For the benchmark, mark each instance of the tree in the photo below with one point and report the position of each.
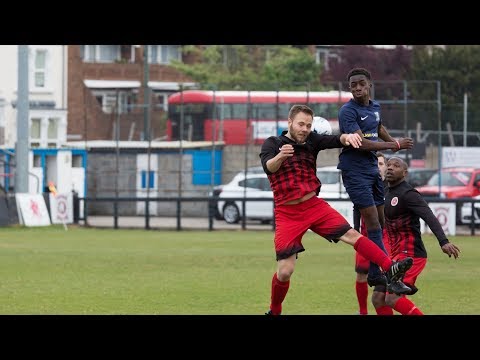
(456, 68)
(252, 67)
(383, 64)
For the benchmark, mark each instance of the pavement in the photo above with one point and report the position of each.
(200, 223)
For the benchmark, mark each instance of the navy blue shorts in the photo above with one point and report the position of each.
(365, 190)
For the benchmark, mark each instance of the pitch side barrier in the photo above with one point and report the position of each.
(212, 203)
(458, 202)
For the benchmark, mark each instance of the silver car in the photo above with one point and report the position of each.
(256, 185)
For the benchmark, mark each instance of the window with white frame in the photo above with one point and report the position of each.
(39, 65)
(108, 100)
(100, 53)
(52, 130)
(162, 100)
(47, 129)
(164, 54)
(324, 57)
(35, 131)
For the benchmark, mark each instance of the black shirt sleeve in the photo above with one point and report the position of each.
(417, 204)
(321, 142)
(270, 148)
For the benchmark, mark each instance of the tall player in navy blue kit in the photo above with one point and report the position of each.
(360, 173)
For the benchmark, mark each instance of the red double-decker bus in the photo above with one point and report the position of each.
(243, 117)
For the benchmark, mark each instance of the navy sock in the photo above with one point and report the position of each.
(377, 237)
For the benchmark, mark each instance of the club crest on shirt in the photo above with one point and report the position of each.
(377, 116)
(394, 201)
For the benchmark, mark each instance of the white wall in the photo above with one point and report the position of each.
(55, 89)
(142, 164)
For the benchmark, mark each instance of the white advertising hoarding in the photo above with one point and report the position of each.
(32, 210)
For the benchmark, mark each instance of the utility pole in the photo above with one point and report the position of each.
(21, 146)
(146, 95)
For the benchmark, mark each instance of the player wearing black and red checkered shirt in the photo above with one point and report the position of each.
(404, 207)
(289, 160)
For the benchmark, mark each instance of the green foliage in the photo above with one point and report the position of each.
(106, 271)
(455, 66)
(252, 67)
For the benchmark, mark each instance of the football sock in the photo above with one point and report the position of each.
(372, 252)
(377, 237)
(405, 307)
(384, 310)
(279, 291)
(361, 289)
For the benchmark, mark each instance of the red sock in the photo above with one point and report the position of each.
(361, 289)
(405, 307)
(279, 291)
(384, 310)
(369, 250)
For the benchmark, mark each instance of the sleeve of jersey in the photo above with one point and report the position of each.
(347, 120)
(326, 141)
(418, 205)
(269, 150)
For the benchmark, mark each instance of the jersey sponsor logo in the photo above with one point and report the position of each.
(394, 201)
(369, 135)
(363, 117)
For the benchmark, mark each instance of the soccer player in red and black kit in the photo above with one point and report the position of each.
(290, 161)
(404, 206)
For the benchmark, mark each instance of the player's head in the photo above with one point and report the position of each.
(321, 126)
(300, 119)
(359, 71)
(397, 170)
(382, 164)
(359, 82)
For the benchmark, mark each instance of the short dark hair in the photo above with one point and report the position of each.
(380, 154)
(295, 109)
(402, 162)
(359, 71)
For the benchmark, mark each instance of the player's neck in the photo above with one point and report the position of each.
(395, 183)
(363, 101)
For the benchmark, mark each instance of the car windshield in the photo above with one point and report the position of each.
(452, 178)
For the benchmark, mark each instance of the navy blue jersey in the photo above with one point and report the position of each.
(297, 176)
(352, 117)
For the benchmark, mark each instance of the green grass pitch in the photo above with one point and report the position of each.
(47, 270)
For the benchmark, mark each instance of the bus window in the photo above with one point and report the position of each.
(266, 110)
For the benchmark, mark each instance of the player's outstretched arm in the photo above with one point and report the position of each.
(451, 249)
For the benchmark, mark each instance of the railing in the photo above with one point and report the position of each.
(212, 203)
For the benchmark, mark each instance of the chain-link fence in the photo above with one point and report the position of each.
(190, 143)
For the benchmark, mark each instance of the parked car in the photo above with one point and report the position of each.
(467, 212)
(218, 189)
(420, 176)
(249, 186)
(332, 183)
(257, 185)
(456, 182)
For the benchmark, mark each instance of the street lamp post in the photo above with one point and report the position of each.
(21, 146)
(146, 95)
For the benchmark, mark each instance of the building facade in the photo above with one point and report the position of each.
(120, 91)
